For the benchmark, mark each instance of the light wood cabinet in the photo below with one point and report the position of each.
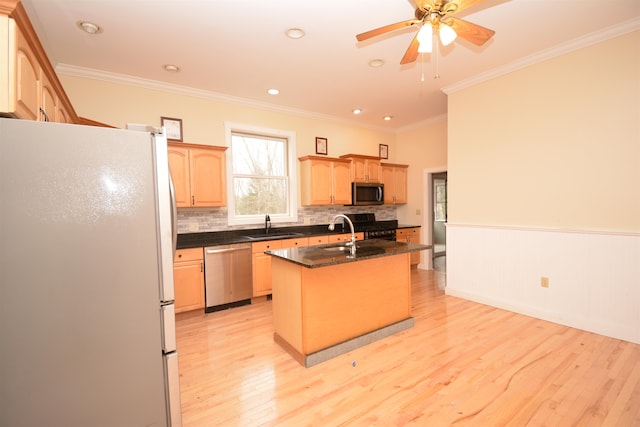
(261, 264)
(364, 168)
(410, 235)
(188, 279)
(394, 178)
(199, 174)
(33, 91)
(325, 181)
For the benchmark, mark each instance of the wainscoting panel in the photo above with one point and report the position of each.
(594, 278)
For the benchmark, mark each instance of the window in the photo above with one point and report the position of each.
(261, 175)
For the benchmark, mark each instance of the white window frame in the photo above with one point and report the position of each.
(292, 169)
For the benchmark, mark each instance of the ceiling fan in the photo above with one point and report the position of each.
(435, 16)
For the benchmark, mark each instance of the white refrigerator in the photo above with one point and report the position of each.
(87, 325)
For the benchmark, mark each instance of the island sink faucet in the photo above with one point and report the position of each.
(352, 243)
(267, 223)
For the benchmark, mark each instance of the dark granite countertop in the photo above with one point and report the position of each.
(214, 238)
(336, 253)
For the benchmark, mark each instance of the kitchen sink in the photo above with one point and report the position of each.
(273, 236)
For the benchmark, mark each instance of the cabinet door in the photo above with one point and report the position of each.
(179, 167)
(341, 174)
(48, 101)
(373, 171)
(27, 80)
(188, 278)
(321, 183)
(261, 264)
(359, 170)
(388, 179)
(400, 184)
(207, 177)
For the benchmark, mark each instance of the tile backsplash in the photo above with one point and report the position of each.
(215, 219)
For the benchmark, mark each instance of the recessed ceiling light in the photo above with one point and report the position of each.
(357, 111)
(171, 68)
(89, 27)
(387, 118)
(273, 91)
(295, 33)
(376, 63)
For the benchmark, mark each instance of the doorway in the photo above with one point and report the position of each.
(433, 226)
(439, 234)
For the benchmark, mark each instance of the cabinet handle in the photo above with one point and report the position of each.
(46, 118)
(193, 200)
(201, 268)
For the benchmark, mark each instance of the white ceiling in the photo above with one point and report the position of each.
(237, 49)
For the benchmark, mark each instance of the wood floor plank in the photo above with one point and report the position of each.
(462, 363)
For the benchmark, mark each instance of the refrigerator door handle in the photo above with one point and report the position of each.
(174, 214)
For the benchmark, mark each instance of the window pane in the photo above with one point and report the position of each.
(260, 196)
(253, 155)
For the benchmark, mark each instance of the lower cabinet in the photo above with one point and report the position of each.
(410, 235)
(188, 279)
(261, 262)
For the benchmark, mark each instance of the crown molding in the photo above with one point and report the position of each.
(90, 73)
(561, 49)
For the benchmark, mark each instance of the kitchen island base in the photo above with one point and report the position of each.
(322, 312)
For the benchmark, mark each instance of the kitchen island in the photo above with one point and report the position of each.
(328, 301)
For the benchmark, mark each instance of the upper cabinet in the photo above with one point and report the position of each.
(325, 181)
(364, 168)
(33, 91)
(394, 178)
(199, 174)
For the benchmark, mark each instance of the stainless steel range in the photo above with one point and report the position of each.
(366, 222)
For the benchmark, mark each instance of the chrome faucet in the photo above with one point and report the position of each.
(352, 243)
(267, 223)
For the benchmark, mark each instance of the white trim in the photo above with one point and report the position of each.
(561, 49)
(548, 229)
(290, 135)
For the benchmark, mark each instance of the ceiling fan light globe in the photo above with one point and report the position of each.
(425, 38)
(447, 34)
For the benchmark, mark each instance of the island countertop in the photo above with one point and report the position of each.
(338, 253)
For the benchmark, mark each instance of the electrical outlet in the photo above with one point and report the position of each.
(193, 226)
(418, 212)
(544, 282)
(307, 220)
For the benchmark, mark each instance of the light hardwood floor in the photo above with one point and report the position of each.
(462, 364)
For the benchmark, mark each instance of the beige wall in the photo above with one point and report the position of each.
(423, 147)
(554, 145)
(204, 116)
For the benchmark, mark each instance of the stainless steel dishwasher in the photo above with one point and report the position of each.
(227, 275)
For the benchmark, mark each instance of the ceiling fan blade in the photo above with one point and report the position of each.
(385, 29)
(472, 32)
(412, 52)
(455, 6)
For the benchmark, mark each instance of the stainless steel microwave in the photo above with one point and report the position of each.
(367, 193)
